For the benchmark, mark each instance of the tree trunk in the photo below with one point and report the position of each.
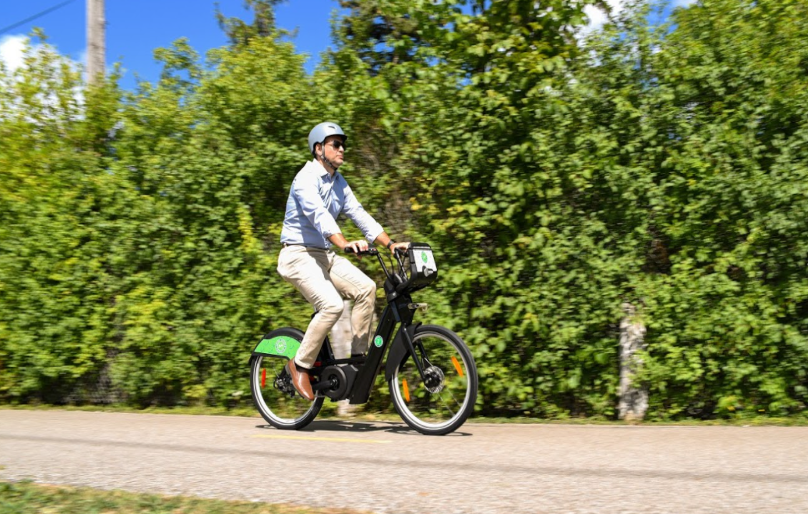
(633, 400)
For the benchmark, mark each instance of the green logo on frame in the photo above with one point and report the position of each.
(424, 257)
(378, 341)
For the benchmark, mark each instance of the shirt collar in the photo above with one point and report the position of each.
(320, 170)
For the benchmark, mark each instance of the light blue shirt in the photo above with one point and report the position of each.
(315, 201)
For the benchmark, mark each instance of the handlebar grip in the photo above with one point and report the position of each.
(369, 251)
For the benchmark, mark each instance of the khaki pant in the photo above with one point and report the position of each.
(324, 278)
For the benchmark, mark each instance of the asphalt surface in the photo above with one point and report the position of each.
(386, 468)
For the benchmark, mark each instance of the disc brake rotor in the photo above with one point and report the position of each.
(433, 379)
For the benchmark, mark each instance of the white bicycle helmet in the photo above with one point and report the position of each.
(322, 131)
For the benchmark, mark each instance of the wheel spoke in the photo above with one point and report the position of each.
(454, 399)
(440, 397)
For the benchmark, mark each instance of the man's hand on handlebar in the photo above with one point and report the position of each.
(356, 247)
(361, 246)
(399, 247)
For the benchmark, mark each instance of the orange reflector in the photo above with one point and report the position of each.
(263, 377)
(406, 390)
(457, 366)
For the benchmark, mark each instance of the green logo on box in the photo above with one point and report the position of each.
(378, 341)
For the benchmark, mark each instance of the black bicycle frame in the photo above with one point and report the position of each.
(394, 313)
(399, 311)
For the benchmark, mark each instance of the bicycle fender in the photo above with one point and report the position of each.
(279, 343)
(398, 352)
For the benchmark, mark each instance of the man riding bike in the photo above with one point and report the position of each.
(319, 193)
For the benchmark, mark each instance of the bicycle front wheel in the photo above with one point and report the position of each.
(442, 401)
(275, 396)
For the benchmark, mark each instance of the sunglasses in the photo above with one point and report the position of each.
(337, 144)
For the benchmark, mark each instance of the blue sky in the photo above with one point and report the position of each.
(136, 28)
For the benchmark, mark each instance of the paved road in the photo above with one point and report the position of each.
(385, 468)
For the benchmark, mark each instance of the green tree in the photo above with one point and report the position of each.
(728, 317)
(558, 176)
(57, 206)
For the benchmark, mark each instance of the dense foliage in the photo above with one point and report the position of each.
(559, 176)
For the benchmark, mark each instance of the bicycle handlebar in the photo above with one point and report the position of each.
(372, 251)
(400, 279)
(369, 251)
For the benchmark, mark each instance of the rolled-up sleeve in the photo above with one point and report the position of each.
(306, 192)
(356, 213)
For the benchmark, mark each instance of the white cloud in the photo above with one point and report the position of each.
(12, 50)
(12, 55)
(597, 17)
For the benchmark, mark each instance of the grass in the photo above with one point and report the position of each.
(737, 422)
(329, 411)
(30, 498)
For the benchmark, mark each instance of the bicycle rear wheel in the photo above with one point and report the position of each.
(441, 403)
(273, 393)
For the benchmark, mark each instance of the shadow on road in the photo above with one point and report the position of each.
(362, 427)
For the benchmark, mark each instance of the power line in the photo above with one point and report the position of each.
(26, 20)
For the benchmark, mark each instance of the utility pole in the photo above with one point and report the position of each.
(96, 39)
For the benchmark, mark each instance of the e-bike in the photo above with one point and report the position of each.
(429, 369)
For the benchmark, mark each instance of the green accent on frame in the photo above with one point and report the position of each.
(424, 257)
(378, 341)
(281, 346)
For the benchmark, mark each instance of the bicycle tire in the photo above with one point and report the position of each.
(283, 410)
(455, 368)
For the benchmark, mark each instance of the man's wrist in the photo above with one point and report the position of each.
(391, 243)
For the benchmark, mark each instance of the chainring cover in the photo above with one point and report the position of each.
(342, 377)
